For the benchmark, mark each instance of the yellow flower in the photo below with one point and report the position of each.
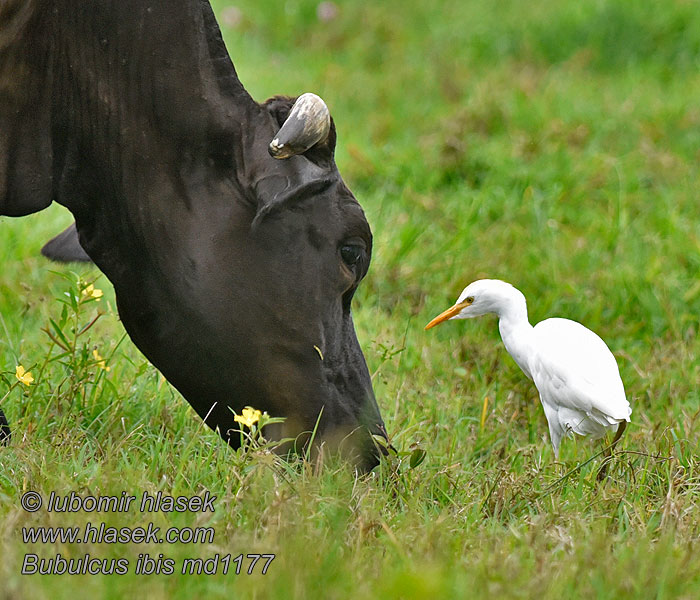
(91, 291)
(24, 376)
(100, 361)
(249, 418)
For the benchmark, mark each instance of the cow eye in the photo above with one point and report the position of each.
(351, 254)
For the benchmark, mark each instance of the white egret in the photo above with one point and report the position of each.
(574, 371)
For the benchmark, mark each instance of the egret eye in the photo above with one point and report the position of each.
(469, 299)
(351, 254)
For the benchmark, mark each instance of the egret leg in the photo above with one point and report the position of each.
(618, 435)
(608, 451)
(4, 430)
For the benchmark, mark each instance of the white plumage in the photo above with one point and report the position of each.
(574, 371)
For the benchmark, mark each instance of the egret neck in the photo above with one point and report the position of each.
(516, 332)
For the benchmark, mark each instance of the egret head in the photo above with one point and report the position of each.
(481, 298)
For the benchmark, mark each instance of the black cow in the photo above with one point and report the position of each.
(233, 244)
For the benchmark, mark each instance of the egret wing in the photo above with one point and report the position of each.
(576, 369)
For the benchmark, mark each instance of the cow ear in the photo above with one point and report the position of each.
(65, 247)
(279, 107)
(25, 144)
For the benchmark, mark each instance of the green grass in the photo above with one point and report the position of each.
(551, 145)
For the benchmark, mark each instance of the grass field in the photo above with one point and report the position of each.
(553, 145)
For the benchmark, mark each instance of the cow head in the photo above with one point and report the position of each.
(233, 244)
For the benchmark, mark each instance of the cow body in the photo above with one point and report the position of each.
(231, 269)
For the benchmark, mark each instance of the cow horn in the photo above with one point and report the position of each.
(308, 124)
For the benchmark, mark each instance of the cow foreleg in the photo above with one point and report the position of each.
(5, 432)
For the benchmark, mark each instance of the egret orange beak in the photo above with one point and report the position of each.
(448, 314)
